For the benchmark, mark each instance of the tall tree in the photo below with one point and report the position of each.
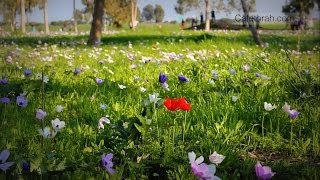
(75, 19)
(45, 16)
(148, 12)
(23, 16)
(158, 13)
(252, 28)
(134, 9)
(97, 23)
(303, 7)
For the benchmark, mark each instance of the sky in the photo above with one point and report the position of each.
(62, 10)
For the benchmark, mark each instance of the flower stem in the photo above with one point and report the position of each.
(43, 102)
(291, 136)
(184, 126)
(262, 128)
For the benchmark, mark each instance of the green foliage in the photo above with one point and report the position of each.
(148, 141)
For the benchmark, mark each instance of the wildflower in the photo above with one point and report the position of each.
(122, 86)
(263, 172)
(103, 106)
(257, 74)
(215, 75)
(183, 79)
(246, 67)
(183, 104)
(5, 100)
(265, 77)
(99, 81)
(153, 98)
(107, 162)
(133, 66)
(3, 80)
(269, 106)
(77, 71)
(59, 108)
(57, 125)
(176, 104)
(234, 98)
(40, 114)
(162, 78)
(4, 166)
(216, 158)
(27, 72)
(46, 132)
(286, 108)
(142, 89)
(45, 79)
(201, 170)
(232, 71)
(103, 120)
(22, 101)
(165, 86)
(293, 113)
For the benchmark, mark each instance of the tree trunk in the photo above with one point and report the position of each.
(133, 13)
(97, 23)
(23, 16)
(253, 30)
(45, 15)
(207, 27)
(75, 17)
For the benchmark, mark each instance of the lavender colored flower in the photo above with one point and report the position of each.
(99, 81)
(5, 100)
(3, 80)
(77, 71)
(162, 78)
(165, 86)
(201, 170)
(263, 172)
(40, 114)
(183, 78)
(246, 67)
(4, 166)
(21, 101)
(293, 113)
(107, 162)
(27, 72)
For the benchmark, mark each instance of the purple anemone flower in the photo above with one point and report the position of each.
(99, 81)
(263, 172)
(22, 101)
(293, 113)
(162, 78)
(77, 71)
(5, 100)
(27, 72)
(3, 80)
(4, 166)
(183, 79)
(107, 162)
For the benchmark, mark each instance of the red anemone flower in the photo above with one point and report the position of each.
(176, 104)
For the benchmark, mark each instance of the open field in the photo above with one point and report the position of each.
(230, 79)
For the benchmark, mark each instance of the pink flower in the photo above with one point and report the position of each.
(201, 170)
(263, 172)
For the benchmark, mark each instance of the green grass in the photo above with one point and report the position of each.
(215, 122)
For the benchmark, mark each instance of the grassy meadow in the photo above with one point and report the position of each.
(230, 81)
